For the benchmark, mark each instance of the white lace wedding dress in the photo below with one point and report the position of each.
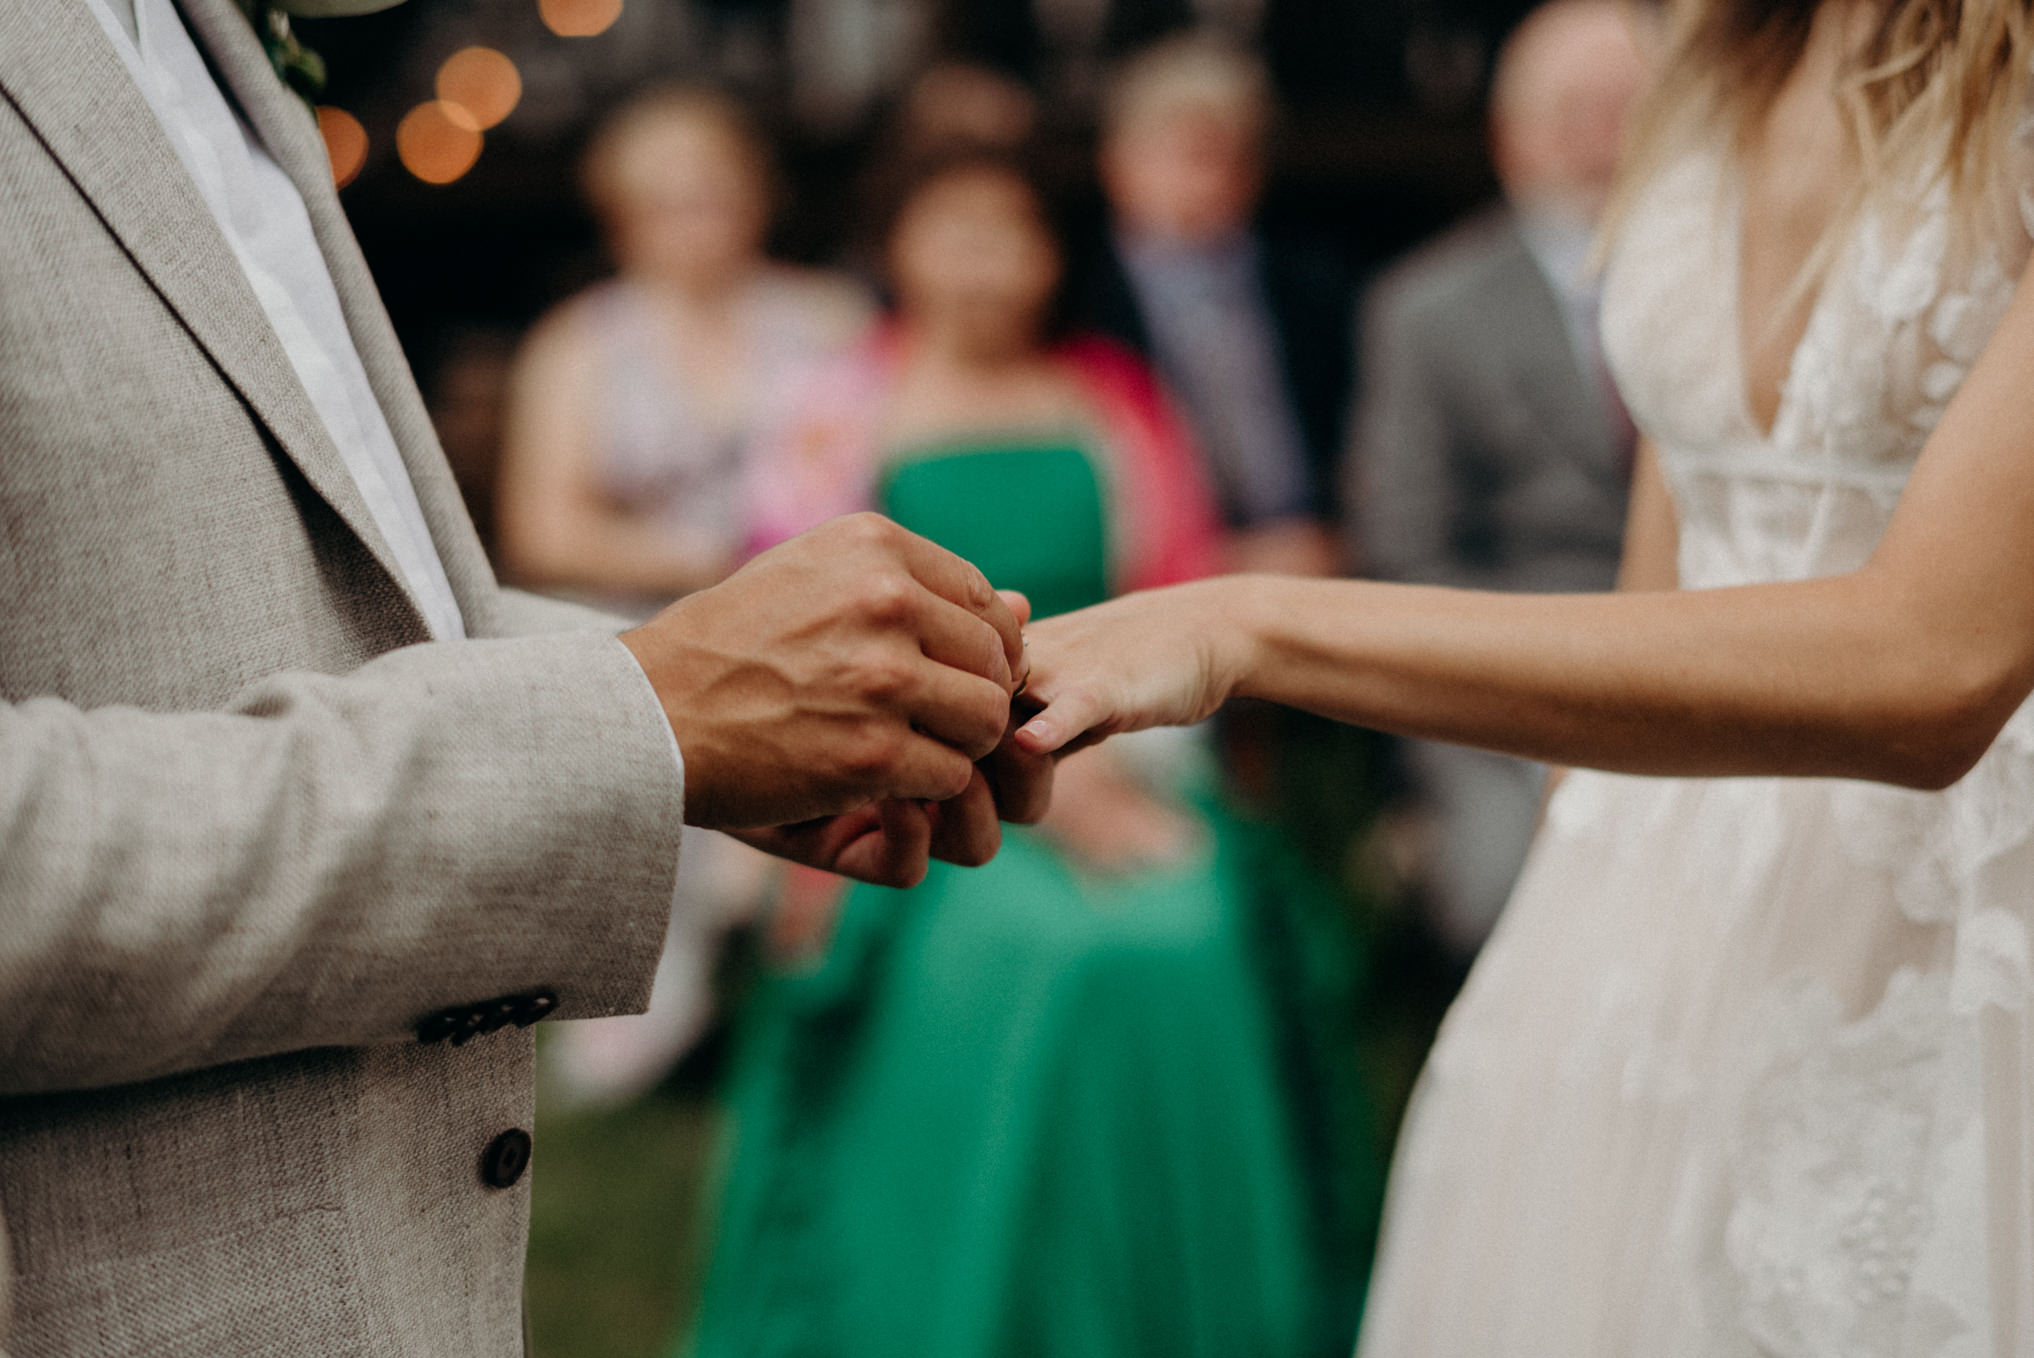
(1748, 1067)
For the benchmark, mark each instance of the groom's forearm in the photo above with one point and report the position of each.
(331, 860)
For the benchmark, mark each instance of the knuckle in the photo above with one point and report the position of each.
(953, 777)
(870, 528)
(873, 753)
(995, 659)
(980, 592)
(992, 719)
(881, 680)
(886, 598)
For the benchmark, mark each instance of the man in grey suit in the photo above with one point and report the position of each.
(1490, 449)
(303, 820)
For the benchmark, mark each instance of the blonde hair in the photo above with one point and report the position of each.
(1188, 73)
(1933, 95)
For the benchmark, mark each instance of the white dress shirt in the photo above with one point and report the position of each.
(265, 223)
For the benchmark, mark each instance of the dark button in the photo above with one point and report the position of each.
(498, 1015)
(534, 1007)
(506, 1157)
(439, 1026)
(472, 1023)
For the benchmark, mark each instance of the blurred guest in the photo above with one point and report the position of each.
(1252, 331)
(1490, 450)
(631, 412)
(958, 104)
(845, 55)
(633, 405)
(1036, 1108)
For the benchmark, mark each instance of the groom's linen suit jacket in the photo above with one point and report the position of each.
(252, 833)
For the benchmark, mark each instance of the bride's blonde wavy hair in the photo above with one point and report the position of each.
(1935, 91)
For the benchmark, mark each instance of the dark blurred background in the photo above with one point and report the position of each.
(1380, 142)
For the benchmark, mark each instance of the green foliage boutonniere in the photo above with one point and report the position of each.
(300, 68)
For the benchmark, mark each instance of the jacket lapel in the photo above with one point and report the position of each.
(58, 69)
(290, 134)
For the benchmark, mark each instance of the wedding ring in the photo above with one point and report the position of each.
(1025, 682)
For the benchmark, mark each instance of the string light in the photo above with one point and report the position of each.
(435, 145)
(579, 18)
(479, 87)
(345, 143)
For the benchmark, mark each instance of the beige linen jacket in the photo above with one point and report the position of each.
(252, 833)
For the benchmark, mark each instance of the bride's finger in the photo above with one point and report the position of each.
(1065, 717)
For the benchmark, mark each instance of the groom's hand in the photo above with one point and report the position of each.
(891, 842)
(855, 664)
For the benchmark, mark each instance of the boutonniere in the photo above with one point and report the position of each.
(300, 68)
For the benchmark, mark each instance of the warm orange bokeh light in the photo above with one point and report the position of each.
(579, 18)
(433, 145)
(479, 87)
(345, 142)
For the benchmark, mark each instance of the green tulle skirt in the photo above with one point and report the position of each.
(1024, 1112)
(1019, 1112)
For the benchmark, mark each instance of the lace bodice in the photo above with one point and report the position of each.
(1900, 318)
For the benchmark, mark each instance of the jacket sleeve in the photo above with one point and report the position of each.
(329, 860)
(519, 613)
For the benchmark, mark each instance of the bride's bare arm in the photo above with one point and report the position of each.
(1902, 671)
(1652, 545)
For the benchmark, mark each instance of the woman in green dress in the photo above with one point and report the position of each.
(1054, 1107)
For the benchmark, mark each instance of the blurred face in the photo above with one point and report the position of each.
(1190, 173)
(1559, 134)
(688, 205)
(973, 259)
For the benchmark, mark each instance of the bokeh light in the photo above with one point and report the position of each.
(479, 87)
(579, 18)
(345, 142)
(434, 145)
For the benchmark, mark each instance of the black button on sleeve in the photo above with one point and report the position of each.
(506, 1157)
(439, 1026)
(472, 1023)
(499, 1015)
(535, 1007)
(463, 1023)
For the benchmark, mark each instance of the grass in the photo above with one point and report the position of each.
(616, 1242)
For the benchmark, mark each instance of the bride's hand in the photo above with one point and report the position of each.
(1167, 657)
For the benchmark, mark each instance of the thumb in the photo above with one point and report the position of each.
(1017, 603)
